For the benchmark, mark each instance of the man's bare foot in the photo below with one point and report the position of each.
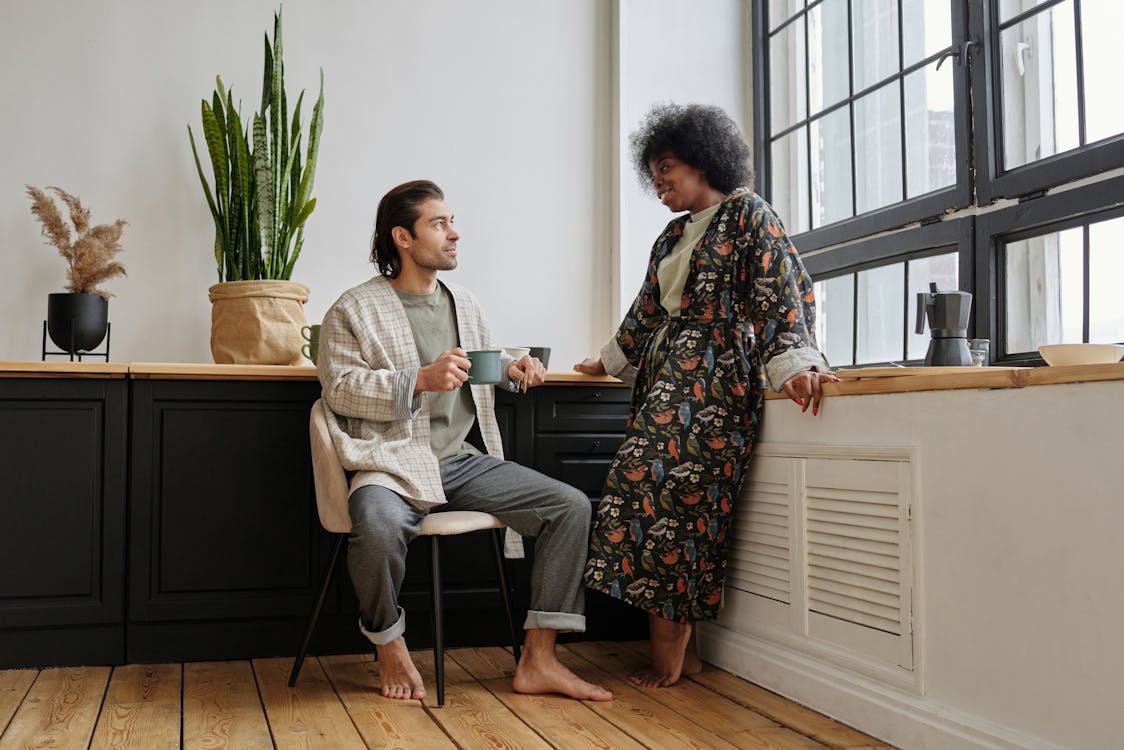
(539, 671)
(669, 642)
(398, 676)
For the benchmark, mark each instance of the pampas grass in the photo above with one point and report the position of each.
(88, 250)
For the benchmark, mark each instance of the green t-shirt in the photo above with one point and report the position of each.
(452, 414)
(672, 271)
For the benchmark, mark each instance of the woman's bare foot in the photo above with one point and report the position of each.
(539, 671)
(692, 663)
(398, 676)
(669, 641)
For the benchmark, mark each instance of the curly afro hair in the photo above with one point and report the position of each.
(701, 135)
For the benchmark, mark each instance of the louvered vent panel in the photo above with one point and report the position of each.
(854, 557)
(759, 560)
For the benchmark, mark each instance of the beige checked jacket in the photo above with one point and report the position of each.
(368, 367)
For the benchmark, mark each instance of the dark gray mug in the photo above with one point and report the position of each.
(541, 353)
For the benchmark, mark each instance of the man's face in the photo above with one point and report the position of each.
(434, 244)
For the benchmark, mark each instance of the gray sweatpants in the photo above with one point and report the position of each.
(534, 505)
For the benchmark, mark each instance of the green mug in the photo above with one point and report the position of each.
(485, 368)
(311, 334)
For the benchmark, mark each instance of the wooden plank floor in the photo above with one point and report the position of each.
(336, 705)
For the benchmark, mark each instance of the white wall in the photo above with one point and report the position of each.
(670, 50)
(520, 110)
(505, 103)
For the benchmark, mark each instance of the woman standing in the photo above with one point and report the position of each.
(726, 308)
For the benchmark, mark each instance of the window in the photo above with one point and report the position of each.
(866, 313)
(861, 115)
(1060, 271)
(1051, 106)
(863, 127)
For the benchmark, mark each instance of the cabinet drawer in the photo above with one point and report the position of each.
(578, 460)
(582, 409)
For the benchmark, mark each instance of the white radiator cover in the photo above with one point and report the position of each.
(1010, 512)
(821, 558)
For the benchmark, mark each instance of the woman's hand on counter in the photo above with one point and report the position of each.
(805, 389)
(590, 366)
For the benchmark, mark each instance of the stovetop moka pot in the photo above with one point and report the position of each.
(947, 314)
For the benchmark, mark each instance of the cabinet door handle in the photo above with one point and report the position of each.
(596, 444)
(596, 394)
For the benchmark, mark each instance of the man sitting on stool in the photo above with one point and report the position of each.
(418, 440)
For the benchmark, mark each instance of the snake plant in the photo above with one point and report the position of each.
(262, 193)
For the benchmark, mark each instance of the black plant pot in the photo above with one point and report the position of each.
(77, 322)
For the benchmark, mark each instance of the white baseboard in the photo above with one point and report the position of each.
(907, 721)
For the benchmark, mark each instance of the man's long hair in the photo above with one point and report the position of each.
(399, 208)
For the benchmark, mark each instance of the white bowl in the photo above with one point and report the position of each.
(517, 352)
(1081, 354)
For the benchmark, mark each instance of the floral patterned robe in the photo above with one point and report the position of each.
(660, 535)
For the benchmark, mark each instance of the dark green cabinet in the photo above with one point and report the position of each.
(224, 540)
(578, 430)
(226, 550)
(154, 520)
(62, 521)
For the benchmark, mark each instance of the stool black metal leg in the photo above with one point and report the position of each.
(438, 622)
(497, 545)
(316, 610)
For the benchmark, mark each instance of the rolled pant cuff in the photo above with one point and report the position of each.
(563, 622)
(383, 637)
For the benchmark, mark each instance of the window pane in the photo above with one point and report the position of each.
(787, 79)
(831, 168)
(1044, 295)
(828, 66)
(945, 271)
(881, 314)
(782, 10)
(930, 130)
(1106, 281)
(875, 25)
(835, 313)
(1101, 22)
(789, 176)
(1011, 8)
(1039, 70)
(926, 27)
(878, 149)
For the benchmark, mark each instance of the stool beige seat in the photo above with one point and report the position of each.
(331, 494)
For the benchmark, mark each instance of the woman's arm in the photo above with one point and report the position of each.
(621, 355)
(782, 303)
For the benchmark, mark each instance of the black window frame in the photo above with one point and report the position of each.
(992, 181)
(911, 210)
(935, 238)
(1066, 209)
(1046, 198)
(975, 51)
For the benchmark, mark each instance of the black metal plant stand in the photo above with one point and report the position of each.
(73, 350)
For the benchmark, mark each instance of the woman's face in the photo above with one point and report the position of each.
(679, 186)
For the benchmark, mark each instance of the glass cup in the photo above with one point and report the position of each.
(979, 349)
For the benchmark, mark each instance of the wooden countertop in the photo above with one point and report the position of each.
(577, 378)
(201, 371)
(871, 380)
(192, 371)
(63, 369)
(854, 382)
